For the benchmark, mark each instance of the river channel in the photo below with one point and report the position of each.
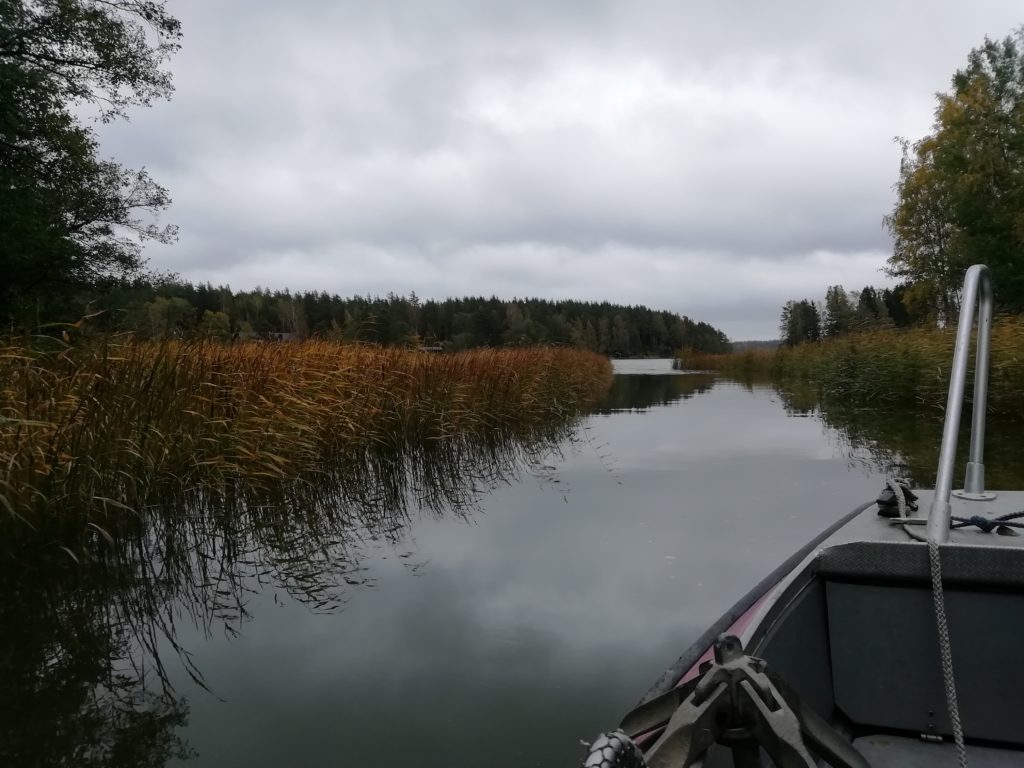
(511, 630)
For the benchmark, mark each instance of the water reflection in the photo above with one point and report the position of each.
(89, 617)
(903, 442)
(642, 392)
(71, 693)
(539, 621)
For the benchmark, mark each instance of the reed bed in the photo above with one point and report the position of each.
(750, 362)
(109, 426)
(885, 368)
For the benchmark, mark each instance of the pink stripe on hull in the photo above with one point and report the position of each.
(736, 628)
(645, 740)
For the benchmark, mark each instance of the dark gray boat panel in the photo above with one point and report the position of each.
(796, 648)
(885, 661)
(883, 751)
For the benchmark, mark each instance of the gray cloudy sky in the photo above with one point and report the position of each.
(712, 159)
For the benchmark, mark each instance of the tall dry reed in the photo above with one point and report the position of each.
(111, 424)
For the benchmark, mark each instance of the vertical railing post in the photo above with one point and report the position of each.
(974, 480)
(977, 290)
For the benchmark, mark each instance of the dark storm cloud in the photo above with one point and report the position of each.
(714, 161)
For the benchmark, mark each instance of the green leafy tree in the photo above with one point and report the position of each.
(896, 308)
(800, 322)
(840, 314)
(292, 315)
(871, 309)
(170, 317)
(68, 217)
(960, 193)
(215, 325)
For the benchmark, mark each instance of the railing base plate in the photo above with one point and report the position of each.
(983, 496)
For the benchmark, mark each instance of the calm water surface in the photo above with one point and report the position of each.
(502, 634)
(508, 637)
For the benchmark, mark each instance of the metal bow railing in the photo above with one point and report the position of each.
(977, 290)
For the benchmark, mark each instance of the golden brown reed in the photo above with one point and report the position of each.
(110, 423)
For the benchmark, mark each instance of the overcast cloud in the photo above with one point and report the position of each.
(714, 161)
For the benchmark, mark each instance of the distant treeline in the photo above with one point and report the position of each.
(844, 311)
(740, 346)
(182, 310)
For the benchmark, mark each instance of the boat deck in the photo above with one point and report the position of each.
(903, 752)
(869, 526)
(881, 633)
(849, 623)
(853, 628)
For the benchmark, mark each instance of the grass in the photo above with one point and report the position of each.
(884, 368)
(108, 426)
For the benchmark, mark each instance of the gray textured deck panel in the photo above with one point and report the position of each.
(869, 547)
(898, 752)
(868, 526)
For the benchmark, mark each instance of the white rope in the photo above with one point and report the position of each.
(897, 489)
(946, 652)
(901, 505)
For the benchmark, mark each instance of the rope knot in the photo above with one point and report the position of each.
(984, 523)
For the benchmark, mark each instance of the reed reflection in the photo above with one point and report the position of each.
(90, 613)
(902, 441)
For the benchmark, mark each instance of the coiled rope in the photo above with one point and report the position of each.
(988, 524)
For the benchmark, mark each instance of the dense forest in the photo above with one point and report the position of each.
(172, 308)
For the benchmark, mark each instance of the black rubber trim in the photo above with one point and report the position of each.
(672, 675)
